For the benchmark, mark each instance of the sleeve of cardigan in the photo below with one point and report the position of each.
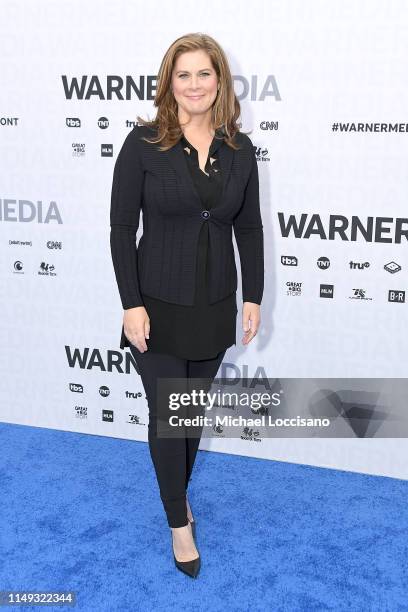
(248, 231)
(126, 199)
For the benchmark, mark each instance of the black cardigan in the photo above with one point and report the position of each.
(203, 330)
(163, 265)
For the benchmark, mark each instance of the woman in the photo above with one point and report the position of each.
(195, 177)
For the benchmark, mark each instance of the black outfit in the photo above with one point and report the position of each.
(183, 271)
(173, 458)
(203, 330)
(165, 262)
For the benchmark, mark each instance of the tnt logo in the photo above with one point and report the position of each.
(323, 263)
(396, 296)
(104, 391)
(103, 123)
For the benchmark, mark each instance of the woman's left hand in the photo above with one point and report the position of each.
(251, 319)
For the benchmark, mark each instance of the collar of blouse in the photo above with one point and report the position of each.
(216, 142)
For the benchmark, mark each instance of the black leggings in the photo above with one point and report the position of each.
(173, 458)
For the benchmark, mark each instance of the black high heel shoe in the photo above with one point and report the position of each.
(191, 568)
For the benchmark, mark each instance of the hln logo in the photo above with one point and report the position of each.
(326, 291)
(396, 296)
(106, 150)
(107, 415)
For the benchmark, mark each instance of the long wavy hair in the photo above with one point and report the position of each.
(225, 109)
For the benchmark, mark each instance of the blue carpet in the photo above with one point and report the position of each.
(82, 512)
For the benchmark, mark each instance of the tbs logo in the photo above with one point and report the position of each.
(76, 387)
(72, 122)
(289, 260)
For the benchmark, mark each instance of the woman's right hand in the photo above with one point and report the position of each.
(136, 325)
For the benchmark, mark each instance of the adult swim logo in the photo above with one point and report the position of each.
(339, 227)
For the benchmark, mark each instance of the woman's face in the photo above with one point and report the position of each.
(194, 82)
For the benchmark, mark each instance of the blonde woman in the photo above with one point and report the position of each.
(194, 177)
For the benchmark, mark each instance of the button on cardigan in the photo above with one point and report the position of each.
(164, 263)
(203, 330)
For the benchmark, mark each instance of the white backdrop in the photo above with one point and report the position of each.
(299, 68)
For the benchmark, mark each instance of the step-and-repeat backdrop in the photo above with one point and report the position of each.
(323, 93)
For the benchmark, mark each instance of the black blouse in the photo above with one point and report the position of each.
(203, 330)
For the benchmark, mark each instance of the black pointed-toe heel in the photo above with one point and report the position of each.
(191, 568)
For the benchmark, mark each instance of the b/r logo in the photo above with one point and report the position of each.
(396, 296)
